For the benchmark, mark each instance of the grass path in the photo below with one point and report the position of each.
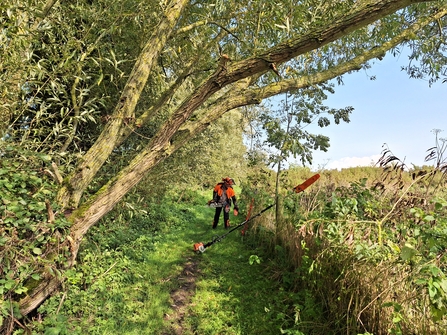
(218, 291)
(132, 280)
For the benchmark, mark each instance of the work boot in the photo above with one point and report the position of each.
(227, 224)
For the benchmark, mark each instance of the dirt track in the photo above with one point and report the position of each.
(181, 296)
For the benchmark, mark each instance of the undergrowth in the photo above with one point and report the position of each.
(130, 263)
(364, 259)
(353, 259)
(33, 232)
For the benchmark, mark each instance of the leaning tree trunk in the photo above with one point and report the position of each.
(226, 74)
(160, 145)
(124, 112)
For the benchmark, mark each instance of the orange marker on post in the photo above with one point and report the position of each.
(306, 184)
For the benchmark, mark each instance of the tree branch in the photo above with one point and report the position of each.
(243, 96)
(72, 190)
(147, 115)
(159, 148)
(341, 26)
(46, 9)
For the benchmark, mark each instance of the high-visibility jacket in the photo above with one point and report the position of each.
(219, 196)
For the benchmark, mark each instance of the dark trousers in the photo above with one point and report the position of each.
(226, 215)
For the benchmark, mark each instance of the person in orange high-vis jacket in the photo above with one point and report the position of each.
(223, 195)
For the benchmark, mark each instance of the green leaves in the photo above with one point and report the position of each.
(285, 129)
(254, 259)
(408, 252)
(59, 87)
(37, 251)
(424, 252)
(26, 233)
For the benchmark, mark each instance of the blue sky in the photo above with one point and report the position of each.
(392, 109)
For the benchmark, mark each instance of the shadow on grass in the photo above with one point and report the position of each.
(231, 296)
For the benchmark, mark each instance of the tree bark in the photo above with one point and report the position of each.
(123, 114)
(77, 182)
(39, 294)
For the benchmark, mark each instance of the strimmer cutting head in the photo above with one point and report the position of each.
(198, 247)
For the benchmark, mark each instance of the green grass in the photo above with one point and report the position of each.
(128, 268)
(233, 297)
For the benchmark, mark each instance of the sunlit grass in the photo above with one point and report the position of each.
(325, 270)
(126, 289)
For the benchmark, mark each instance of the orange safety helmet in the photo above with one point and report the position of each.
(229, 180)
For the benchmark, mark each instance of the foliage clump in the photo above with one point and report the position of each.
(362, 258)
(33, 242)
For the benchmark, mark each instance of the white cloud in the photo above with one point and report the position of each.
(346, 162)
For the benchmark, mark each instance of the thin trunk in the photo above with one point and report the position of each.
(282, 154)
(278, 219)
(123, 114)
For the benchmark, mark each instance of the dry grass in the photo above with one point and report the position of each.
(360, 283)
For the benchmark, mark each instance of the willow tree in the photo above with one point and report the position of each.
(81, 79)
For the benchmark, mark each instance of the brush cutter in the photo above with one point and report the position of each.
(200, 247)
